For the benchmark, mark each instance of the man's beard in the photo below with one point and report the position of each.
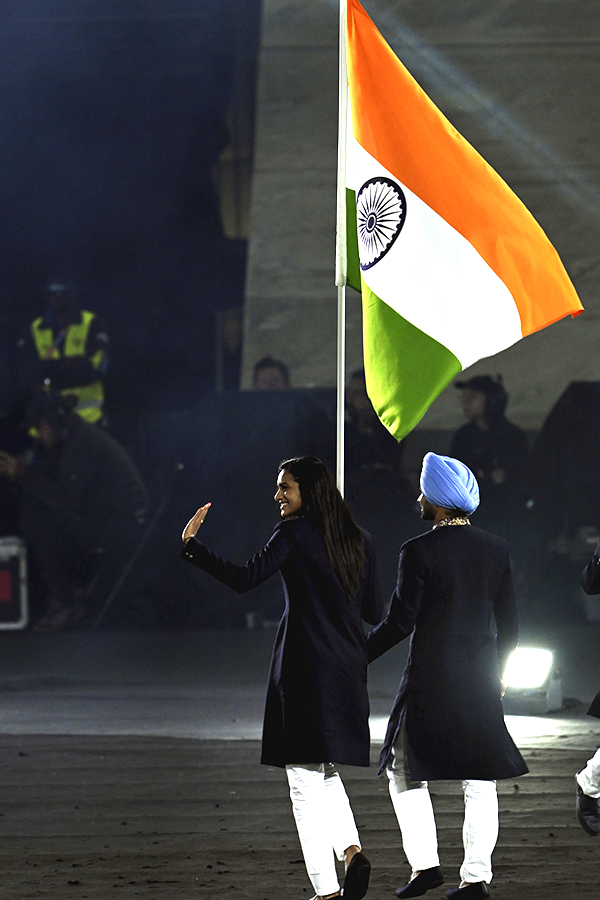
(427, 512)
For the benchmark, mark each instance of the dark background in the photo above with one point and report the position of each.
(112, 115)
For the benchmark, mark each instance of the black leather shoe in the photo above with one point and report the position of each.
(356, 881)
(428, 878)
(472, 891)
(588, 812)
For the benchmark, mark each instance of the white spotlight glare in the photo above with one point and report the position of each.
(533, 685)
(528, 668)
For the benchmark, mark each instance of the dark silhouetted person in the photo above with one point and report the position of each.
(83, 506)
(587, 781)
(270, 375)
(314, 431)
(70, 346)
(447, 720)
(375, 486)
(495, 450)
(317, 706)
(564, 487)
(369, 446)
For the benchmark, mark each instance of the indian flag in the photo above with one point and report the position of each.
(451, 265)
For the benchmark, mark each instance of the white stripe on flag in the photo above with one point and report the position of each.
(435, 279)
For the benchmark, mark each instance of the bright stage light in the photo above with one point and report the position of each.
(528, 668)
(533, 684)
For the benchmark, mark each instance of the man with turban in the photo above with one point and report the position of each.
(447, 721)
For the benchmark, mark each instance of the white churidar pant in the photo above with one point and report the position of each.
(414, 812)
(589, 778)
(324, 820)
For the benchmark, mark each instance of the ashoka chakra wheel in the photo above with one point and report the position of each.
(380, 215)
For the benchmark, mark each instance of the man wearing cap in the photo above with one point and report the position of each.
(447, 721)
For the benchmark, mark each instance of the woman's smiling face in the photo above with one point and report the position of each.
(288, 494)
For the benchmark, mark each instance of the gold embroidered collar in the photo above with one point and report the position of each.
(458, 520)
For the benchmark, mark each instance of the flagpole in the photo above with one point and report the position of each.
(341, 368)
(341, 262)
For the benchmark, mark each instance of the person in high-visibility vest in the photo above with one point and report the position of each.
(71, 345)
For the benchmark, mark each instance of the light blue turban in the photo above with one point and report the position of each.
(449, 483)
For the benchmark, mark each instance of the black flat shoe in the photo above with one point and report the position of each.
(356, 881)
(473, 891)
(428, 878)
(588, 812)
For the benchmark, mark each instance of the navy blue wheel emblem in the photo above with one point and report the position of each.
(380, 215)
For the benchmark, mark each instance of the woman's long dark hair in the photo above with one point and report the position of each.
(324, 506)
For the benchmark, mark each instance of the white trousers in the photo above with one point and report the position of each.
(589, 778)
(414, 812)
(324, 820)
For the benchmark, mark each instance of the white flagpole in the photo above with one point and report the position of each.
(341, 262)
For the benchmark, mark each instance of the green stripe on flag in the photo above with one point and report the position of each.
(352, 260)
(405, 368)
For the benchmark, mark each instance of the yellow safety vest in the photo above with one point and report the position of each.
(90, 397)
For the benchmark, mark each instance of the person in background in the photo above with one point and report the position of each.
(447, 720)
(497, 452)
(82, 510)
(369, 446)
(70, 346)
(375, 484)
(317, 706)
(270, 375)
(493, 448)
(587, 781)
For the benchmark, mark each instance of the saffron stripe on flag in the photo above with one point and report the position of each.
(395, 121)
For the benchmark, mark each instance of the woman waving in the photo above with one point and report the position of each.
(317, 705)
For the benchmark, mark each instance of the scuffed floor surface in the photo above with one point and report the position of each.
(92, 817)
